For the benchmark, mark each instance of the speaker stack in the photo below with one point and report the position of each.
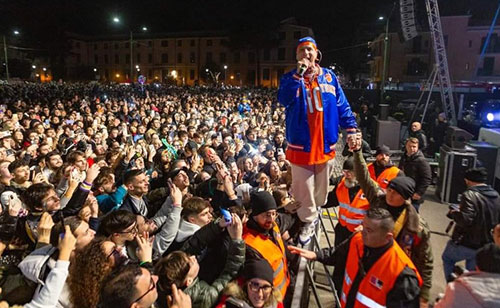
(455, 158)
(408, 25)
(487, 154)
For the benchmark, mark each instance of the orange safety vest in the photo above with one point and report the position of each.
(380, 278)
(351, 213)
(385, 177)
(274, 254)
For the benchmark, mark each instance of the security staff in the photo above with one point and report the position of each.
(352, 203)
(411, 231)
(378, 271)
(382, 170)
(263, 240)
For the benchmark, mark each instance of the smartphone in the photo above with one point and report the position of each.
(227, 215)
(32, 172)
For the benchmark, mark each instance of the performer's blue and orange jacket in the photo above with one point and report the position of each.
(335, 108)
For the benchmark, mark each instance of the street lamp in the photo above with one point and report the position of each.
(44, 69)
(225, 74)
(386, 43)
(33, 66)
(116, 20)
(15, 32)
(95, 69)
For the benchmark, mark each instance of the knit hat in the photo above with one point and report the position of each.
(258, 268)
(307, 41)
(488, 258)
(382, 150)
(262, 201)
(478, 175)
(348, 164)
(403, 185)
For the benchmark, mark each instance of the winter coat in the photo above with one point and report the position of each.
(479, 212)
(417, 168)
(472, 290)
(204, 295)
(414, 237)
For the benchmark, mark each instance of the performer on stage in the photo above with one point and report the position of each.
(315, 108)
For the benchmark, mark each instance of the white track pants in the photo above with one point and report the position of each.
(310, 187)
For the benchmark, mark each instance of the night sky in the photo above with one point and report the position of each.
(336, 24)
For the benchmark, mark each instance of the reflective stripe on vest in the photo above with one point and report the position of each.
(385, 176)
(278, 270)
(352, 209)
(368, 301)
(351, 213)
(273, 253)
(379, 280)
(351, 221)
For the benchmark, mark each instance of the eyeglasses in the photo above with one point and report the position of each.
(256, 287)
(134, 230)
(151, 288)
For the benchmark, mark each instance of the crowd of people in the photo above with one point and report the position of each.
(141, 177)
(153, 195)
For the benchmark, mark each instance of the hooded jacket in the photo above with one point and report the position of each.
(472, 290)
(336, 110)
(414, 237)
(479, 213)
(35, 268)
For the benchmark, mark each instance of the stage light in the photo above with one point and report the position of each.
(490, 117)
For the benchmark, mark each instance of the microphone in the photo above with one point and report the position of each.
(302, 69)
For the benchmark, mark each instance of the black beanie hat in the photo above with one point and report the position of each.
(382, 150)
(478, 175)
(488, 258)
(404, 185)
(348, 164)
(258, 268)
(262, 201)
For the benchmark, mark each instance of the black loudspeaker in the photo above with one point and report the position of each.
(456, 138)
(408, 24)
(388, 134)
(384, 112)
(452, 167)
(486, 157)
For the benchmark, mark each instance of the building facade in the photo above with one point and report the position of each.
(185, 58)
(412, 61)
